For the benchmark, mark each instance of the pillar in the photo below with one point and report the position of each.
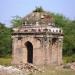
(60, 45)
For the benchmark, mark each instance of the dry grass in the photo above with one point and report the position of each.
(5, 61)
(54, 71)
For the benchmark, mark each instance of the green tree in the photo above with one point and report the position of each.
(5, 40)
(16, 21)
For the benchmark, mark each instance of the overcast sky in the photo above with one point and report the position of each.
(10, 8)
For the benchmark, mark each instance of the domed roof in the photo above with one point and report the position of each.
(42, 17)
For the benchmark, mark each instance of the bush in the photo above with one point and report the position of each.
(69, 59)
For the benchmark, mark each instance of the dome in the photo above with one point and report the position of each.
(36, 17)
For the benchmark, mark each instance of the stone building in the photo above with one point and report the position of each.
(37, 40)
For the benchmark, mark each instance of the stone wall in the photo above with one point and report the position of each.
(46, 51)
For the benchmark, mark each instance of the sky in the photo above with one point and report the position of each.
(11, 8)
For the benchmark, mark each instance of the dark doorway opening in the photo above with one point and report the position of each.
(29, 52)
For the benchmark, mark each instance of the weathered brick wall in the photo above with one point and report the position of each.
(44, 51)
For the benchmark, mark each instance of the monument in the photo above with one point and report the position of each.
(37, 41)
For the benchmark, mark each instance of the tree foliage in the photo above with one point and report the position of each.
(16, 21)
(5, 40)
(38, 9)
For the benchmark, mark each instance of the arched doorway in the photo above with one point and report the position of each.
(29, 52)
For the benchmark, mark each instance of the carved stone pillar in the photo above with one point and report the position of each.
(50, 50)
(60, 45)
(14, 47)
(24, 49)
(54, 50)
(20, 50)
(46, 50)
(39, 51)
